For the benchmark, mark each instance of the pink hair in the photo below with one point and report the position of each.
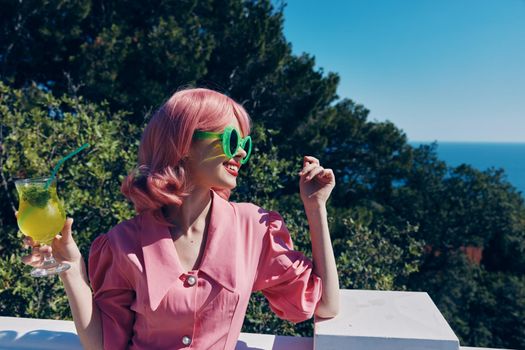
(160, 178)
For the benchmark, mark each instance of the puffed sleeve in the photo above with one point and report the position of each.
(285, 276)
(112, 294)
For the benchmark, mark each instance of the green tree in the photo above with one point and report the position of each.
(482, 307)
(367, 157)
(135, 54)
(460, 206)
(37, 129)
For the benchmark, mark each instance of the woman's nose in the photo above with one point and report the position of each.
(241, 153)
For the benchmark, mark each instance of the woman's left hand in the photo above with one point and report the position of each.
(316, 183)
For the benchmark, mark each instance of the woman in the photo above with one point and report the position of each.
(180, 273)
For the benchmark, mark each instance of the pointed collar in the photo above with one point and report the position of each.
(161, 262)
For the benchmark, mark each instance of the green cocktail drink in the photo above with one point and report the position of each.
(41, 216)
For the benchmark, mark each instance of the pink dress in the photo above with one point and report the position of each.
(147, 301)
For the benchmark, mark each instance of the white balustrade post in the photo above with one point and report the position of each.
(385, 320)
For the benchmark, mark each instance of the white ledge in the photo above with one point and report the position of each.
(385, 320)
(368, 320)
(41, 334)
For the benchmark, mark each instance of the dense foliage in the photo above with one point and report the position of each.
(37, 130)
(92, 71)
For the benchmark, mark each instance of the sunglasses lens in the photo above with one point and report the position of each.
(234, 142)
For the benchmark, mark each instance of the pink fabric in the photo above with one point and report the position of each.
(147, 301)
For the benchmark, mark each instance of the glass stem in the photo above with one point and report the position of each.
(49, 261)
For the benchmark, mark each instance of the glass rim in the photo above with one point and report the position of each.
(43, 179)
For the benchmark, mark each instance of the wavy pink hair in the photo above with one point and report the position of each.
(160, 178)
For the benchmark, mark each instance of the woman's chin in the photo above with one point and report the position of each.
(227, 182)
(233, 184)
(231, 177)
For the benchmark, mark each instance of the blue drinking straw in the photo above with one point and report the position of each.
(61, 161)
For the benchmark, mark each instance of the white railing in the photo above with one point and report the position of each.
(368, 320)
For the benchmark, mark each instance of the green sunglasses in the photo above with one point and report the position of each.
(231, 141)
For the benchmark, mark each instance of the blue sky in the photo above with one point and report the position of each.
(445, 70)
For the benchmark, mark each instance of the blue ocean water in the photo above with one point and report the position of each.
(509, 156)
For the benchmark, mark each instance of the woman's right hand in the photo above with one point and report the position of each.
(63, 247)
(85, 311)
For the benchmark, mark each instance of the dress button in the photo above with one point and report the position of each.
(186, 340)
(192, 280)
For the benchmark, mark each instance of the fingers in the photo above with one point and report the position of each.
(328, 176)
(28, 242)
(310, 172)
(310, 162)
(314, 172)
(45, 250)
(66, 231)
(307, 168)
(37, 255)
(312, 169)
(33, 260)
(310, 159)
(329, 173)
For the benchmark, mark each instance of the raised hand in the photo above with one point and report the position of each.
(316, 182)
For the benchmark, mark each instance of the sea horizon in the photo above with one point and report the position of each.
(481, 142)
(482, 155)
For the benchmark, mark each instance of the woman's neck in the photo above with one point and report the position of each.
(191, 217)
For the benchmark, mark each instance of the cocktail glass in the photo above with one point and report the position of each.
(41, 216)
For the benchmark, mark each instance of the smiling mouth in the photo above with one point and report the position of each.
(231, 171)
